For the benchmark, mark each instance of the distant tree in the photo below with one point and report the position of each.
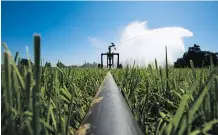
(60, 64)
(195, 48)
(90, 65)
(199, 58)
(24, 62)
(48, 64)
(74, 66)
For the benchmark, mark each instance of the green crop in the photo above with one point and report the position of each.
(165, 101)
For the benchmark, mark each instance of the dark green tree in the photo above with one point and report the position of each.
(24, 62)
(60, 64)
(199, 58)
(90, 65)
(48, 64)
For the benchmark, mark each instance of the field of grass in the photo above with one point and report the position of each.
(42, 100)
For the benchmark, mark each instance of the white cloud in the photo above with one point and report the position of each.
(139, 43)
(151, 44)
(96, 43)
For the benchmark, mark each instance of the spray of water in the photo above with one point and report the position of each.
(140, 44)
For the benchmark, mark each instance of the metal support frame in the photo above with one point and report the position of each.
(110, 57)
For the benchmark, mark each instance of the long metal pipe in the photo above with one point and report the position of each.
(118, 58)
(109, 113)
(102, 60)
(107, 61)
(113, 60)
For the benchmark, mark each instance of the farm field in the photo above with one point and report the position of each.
(163, 100)
(109, 68)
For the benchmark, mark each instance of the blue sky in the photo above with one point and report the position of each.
(65, 27)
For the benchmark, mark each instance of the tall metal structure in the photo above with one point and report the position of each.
(110, 57)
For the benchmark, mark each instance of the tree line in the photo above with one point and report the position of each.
(199, 58)
(25, 62)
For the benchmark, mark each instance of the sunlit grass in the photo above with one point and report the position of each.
(165, 101)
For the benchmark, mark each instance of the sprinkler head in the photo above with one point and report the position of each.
(112, 45)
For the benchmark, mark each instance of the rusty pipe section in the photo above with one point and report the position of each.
(109, 113)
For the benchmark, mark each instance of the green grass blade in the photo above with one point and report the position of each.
(36, 90)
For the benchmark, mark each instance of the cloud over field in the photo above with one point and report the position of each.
(138, 42)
